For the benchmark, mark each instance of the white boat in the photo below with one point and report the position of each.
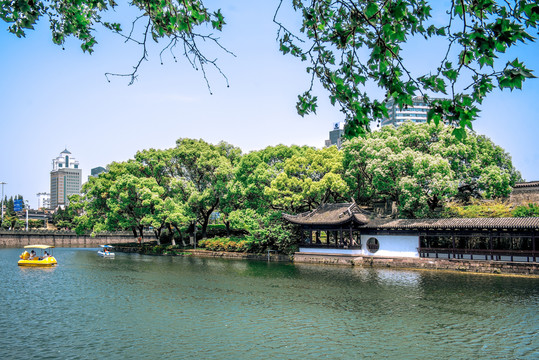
(105, 251)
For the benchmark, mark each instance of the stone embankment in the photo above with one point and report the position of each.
(472, 266)
(240, 256)
(61, 238)
(272, 256)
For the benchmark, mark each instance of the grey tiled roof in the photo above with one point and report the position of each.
(453, 223)
(330, 214)
(337, 214)
(526, 184)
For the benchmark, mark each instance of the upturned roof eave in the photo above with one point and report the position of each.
(297, 221)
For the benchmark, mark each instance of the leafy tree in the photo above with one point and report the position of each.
(231, 197)
(167, 209)
(113, 201)
(35, 224)
(348, 45)
(352, 44)
(10, 216)
(65, 218)
(174, 21)
(159, 189)
(266, 230)
(255, 172)
(308, 179)
(529, 210)
(479, 209)
(204, 171)
(420, 166)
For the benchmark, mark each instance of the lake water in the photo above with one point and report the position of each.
(144, 307)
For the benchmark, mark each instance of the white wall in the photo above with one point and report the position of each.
(331, 251)
(392, 245)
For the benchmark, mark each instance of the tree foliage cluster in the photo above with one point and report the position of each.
(11, 220)
(419, 167)
(495, 208)
(65, 218)
(348, 46)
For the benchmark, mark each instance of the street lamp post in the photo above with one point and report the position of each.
(27, 208)
(2, 183)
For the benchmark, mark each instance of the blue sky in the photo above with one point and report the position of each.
(52, 98)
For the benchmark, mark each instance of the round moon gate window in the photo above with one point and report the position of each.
(373, 245)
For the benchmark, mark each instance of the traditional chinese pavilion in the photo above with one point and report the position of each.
(347, 229)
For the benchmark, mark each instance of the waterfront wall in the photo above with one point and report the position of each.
(243, 256)
(464, 265)
(476, 266)
(61, 238)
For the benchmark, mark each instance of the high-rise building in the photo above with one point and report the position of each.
(43, 200)
(336, 135)
(96, 171)
(65, 179)
(417, 112)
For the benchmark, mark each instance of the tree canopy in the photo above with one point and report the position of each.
(347, 46)
(419, 167)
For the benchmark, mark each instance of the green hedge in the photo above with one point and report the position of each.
(233, 244)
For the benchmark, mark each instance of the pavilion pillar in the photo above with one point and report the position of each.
(453, 240)
(511, 242)
(491, 245)
(533, 246)
(350, 237)
(470, 247)
(311, 235)
(341, 235)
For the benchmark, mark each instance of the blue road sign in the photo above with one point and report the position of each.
(17, 205)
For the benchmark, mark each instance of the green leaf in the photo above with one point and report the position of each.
(371, 9)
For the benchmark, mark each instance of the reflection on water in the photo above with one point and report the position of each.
(184, 307)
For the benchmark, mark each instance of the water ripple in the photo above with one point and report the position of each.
(177, 308)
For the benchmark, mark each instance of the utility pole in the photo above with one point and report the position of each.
(27, 208)
(2, 183)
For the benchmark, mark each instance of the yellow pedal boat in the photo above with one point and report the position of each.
(43, 260)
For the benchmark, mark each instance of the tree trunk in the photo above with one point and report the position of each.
(141, 234)
(157, 233)
(227, 224)
(205, 223)
(173, 241)
(433, 203)
(180, 233)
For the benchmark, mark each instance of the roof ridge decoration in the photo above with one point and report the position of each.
(348, 210)
(312, 212)
(330, 214)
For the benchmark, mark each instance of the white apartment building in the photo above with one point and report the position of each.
(416, 113)
(66, 179)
